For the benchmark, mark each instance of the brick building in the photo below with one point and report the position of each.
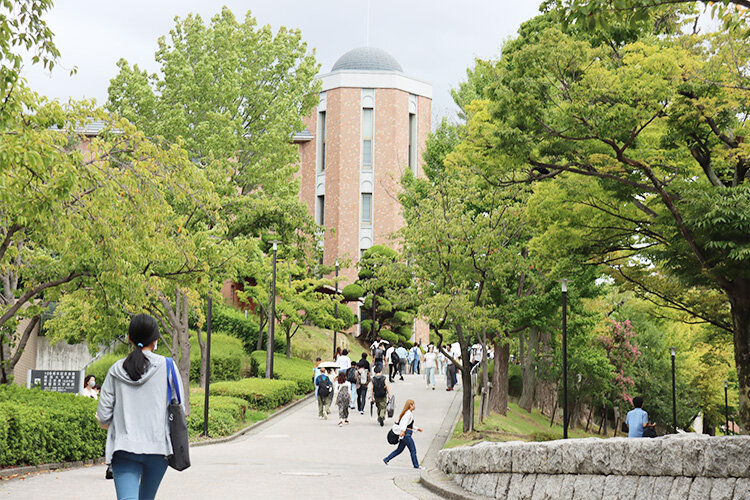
(370, 125)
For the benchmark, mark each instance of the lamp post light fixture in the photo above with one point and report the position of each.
(674, 399)
(272, 319)
(726, 407)
(336, 307)
(564, 284)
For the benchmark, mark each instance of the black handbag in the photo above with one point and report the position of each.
(392, 437)
(178, 432)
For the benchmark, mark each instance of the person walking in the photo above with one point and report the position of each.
(351, 375)
(637, 419)
(450, 375)
(404, 428)
(363, 363)
(378, 356)
(133, 409)
(342, 398)
(416, 355)
(323, 390)
(363, 382)
(402, 354)
(430, 366)
(392, 362)
(380, 393)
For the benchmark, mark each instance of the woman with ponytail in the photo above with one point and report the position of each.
(133, 409)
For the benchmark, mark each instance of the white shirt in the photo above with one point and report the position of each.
(89, 392)
(344, 362)
(401, 425)
(429, 360)
(388, 354)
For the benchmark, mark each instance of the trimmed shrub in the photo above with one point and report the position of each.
(299, 371)
(226, 414)
(41, 427)
(226, 357)
(233, 321)
(260, 393)
(352, 292)
(389, 336)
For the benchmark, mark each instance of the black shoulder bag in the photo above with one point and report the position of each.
(178, 432)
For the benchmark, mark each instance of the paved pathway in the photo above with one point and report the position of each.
(297, 456)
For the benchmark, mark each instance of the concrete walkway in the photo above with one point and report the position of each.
(297, 456)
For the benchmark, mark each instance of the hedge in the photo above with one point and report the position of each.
(42, 427)
(226, 414)
(226, 359)
(233, 321)
(262, 394)
(300, 371)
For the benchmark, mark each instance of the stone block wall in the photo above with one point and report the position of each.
(687, 466)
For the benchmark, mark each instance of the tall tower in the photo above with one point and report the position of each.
(369, 127)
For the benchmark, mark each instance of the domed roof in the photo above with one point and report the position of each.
(367, 59)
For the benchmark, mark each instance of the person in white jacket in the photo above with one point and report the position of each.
(404, 427)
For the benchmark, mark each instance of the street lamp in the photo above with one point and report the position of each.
(272, 319)
(674, 400)
(726, 407)
(336, 308)
(206, 392)
(564, 283)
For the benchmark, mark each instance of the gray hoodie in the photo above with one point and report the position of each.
(136, 411)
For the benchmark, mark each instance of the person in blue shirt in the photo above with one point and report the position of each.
(637, 419)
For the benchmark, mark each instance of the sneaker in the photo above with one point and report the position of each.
(433, 387)
(420, 467)
(385, 461)
(362, 412)
(380, 421)
(325, 416)
(346, 421)
(341, 423)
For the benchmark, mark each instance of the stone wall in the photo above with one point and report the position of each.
(687, 466)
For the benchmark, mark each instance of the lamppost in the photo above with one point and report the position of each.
(336, 307)
(272, 319)
(209, 313)
(564, 284)
(674, 399)
(726, 408)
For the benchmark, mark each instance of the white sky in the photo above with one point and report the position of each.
(434, 40)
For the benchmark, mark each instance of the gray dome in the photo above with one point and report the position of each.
(367, 59)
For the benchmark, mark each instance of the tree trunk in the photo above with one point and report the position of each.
(604, 422)
(739, 300)
(528, 368)
(468, 393)
(262, 321)
(499, 394)
(177, 323)
(288, 343)
(588, 420)
(546, 390)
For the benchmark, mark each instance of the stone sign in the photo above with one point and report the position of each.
(68, 381)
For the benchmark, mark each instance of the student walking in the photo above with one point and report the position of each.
(133, 409)
(343, 398)
(430, 366)
(380, 393)
(363, 381)
(402, 354)
(323, 390)
(404, 428)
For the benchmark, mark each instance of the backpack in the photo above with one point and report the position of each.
(378, 354)
(378, 386)
(324, 387)
(394, 358)
(363, 376)
(351, 374)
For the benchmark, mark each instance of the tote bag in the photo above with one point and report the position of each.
(178, 433)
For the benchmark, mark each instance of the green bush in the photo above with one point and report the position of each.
(543, 436)
(299, 371)
(352, 292)
(226, 359)
(233, 321)
(389, 336)
(42, 427)
(262, 394)
(226, 414)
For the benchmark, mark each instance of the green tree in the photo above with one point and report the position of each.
(654, 133)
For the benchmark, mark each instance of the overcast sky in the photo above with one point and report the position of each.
(434, 40)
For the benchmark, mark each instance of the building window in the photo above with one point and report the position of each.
(321, 210)
(366, 209)
(412, 143)
(322, 125)
(367, 138)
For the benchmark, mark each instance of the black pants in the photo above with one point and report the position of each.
(361, 397)
(450, 373)
(392, 370)
(401, 368)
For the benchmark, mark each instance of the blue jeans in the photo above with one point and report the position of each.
(137, 477)
(430, 376)
(405, 442)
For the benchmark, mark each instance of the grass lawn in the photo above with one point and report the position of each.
(311, 342)
(517, 425)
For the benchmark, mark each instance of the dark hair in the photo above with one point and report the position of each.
(638, 402)
(364, 355)
(142, 331)
(378, 368)
(86, 380)
(341, 378)
(98, 387)
(401, 344)
(345, 352)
